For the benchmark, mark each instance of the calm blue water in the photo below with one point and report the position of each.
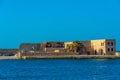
(60, 69)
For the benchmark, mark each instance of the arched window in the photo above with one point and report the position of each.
(95, 52)
(101, 51)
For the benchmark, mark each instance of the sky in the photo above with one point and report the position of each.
(35, 21)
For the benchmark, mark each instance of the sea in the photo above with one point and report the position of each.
(60, 69)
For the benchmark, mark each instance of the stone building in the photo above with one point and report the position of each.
(98, 47)
(92, 47)
(103, 47)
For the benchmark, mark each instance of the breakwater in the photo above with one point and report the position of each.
(62, 57)
(8, 57)
(72, 57)
(44, 55)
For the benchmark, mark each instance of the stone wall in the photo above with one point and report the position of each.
(8, 52)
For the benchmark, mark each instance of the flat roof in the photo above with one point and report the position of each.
(103, 39)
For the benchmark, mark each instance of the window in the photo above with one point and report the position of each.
(48, 45)
(102, 44)
(111, 43)
(108, 43)
(59, 45)
(112, 49)
(108, 49)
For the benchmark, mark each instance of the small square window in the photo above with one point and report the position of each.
(102, 44)
(108, 49)
(112, 49)
(112, 44)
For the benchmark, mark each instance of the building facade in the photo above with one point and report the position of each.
(103, 47)
(98, 47)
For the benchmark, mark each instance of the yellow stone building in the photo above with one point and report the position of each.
(98, 47)
(104, 46)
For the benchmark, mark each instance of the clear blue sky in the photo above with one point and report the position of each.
(58, 20)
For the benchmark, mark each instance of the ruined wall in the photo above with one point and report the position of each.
(30, 47)
(87, 46)
(8, 52)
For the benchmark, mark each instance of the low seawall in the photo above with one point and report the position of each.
(73, 57)
(8, 57)
(62, 57)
